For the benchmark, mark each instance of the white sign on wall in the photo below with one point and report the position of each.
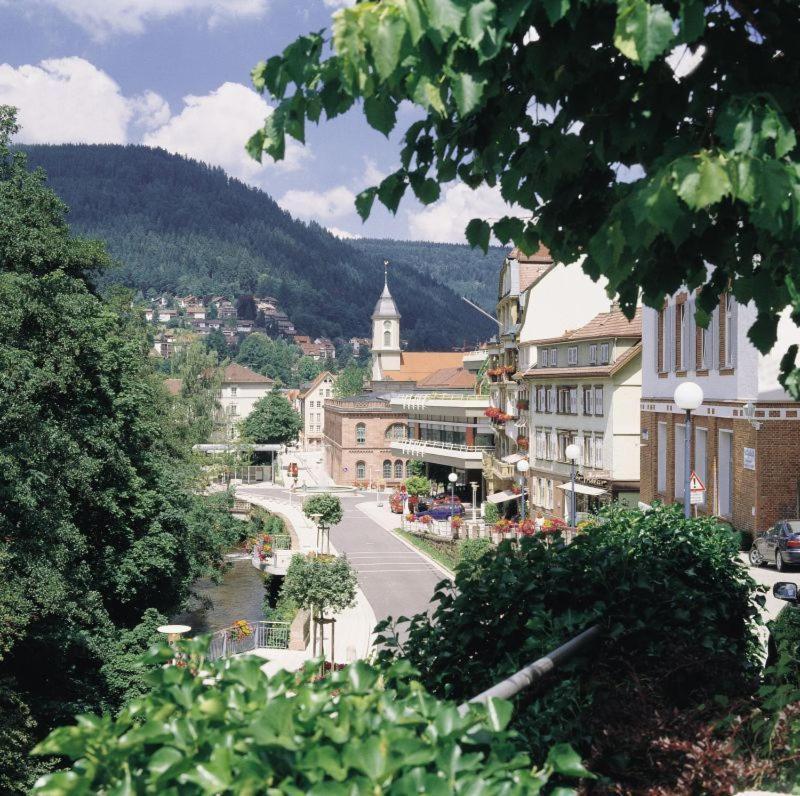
(749, 458)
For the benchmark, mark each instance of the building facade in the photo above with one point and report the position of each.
(239, 392)
(359, 432)
(745, 444)
(312, 409)
(584, 388)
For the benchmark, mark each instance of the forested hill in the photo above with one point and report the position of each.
(467, 271)
(180, 226)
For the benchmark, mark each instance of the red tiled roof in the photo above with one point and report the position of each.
(239, 374)
(456, 378)
(417, 365)
(584, 371)
(606, 324)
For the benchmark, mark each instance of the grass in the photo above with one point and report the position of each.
(444, 552)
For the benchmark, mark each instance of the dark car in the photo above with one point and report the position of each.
(442, 511)
(783, 590)
(780, 545)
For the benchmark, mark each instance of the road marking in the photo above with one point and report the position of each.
(381, 571)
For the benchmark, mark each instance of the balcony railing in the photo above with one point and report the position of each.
(421, 400)
(263, 635)
(416, 447)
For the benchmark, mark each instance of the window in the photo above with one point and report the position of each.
(701, 455)
(662, 341)
(603, 353)
(705, 347)
(661, 479)
(598, 453)
(233, 392)
(588, 452)
(730, 334)
(541, 445)
(541, 399)
(680, 336)
(549, 502)
(397, 431)
(598, 401)
(232, 410)
(553, 357)
(572, 355)
(587, 401)
(573, 400)
(361, 434)
(593, 354)
(361, 471)
(551, 399)
(387, 469)
(542, 357)
(398, 469)
(553, 446)
(387, 334)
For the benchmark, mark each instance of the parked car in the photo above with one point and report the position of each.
(442, 511)
(783, 590)
(780, 545)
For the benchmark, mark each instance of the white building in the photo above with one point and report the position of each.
(584, 388)
(312, 409)
(240, 390)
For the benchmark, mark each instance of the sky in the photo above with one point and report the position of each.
(175, 74)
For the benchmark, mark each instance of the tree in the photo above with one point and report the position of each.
(246, 308)
(416, 467)
(328, 506)
(196, 405)
(350, 381)
(272, 421)
(215, 341)
(100, 530)
(649, 139)
(307, 369)
(273, 358)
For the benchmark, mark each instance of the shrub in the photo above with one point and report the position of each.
(491, 513)
(670, 594)
(418, 485)
(470, 551)
(328, 506)
(231, 729)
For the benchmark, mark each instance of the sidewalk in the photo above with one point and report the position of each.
(354, 626)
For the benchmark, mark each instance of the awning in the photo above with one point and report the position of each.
(583, 489)
(502, 497)
(513, 458)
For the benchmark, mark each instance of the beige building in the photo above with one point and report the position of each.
(311, 401)
(584, 388)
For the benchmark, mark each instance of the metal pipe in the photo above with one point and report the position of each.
(533, 672)
(687, 467)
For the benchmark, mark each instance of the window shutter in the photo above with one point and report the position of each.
(733, 342)
(691, 337)
(715, 339)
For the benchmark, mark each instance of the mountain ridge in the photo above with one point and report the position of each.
(178, 225)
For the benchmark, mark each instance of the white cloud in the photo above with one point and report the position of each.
(343, 233)
(334, 203)
(69, 100)
(445, 220)
(372, 174)
(214, 127)
(338, 3)
(683, 61)
(104, 17)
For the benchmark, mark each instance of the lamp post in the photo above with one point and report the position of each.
(452, 478)
(474, 485)
(573, 451)
(688, 396)
(523, 465)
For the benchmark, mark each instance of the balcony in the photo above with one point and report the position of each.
(440, 400)
(496, 468)
(450, 454)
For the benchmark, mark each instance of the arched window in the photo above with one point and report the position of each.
(361, 471)
(387, 469)
(398, 469)
(361, 434)
(387, 334)
(397, 431)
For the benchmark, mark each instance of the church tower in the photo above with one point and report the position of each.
(385, 332)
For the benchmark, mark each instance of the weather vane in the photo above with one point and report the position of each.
(385, 272)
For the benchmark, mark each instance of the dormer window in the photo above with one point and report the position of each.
(604, 353)
(553, 357)
(572, 355)
(593, 354)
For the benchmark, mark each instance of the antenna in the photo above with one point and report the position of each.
(482, 311)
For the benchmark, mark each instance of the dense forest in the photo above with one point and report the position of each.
(180, 226)
(467, 271)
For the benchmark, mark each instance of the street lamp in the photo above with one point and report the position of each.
(474, 485)
(750, 415)
(688, 396)
(452, 478)
(523, 465)
(573, 451)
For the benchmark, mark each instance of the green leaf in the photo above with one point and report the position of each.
(467, 92)
(701, 181)
(478, 232)
(445, 16)
(370, 757)
(415, 17)
(565, 760)
(425, 189)
(386, 40)
(480, 17)
(364, 202)
(511, 11)
(508, 228)
(381, 113)
(499, 712)
(643, 32)
(274, 137)
(427, 94)
(692, 20)
(163, 759)
(255, 145)
(556, 9)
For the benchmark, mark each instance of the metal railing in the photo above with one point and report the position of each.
(263, 635)
(534, 672)
(281, 542)
(412, 446)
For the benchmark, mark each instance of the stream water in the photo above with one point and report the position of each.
(240, 595)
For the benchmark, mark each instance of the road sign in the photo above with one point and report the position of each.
(697, 489)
